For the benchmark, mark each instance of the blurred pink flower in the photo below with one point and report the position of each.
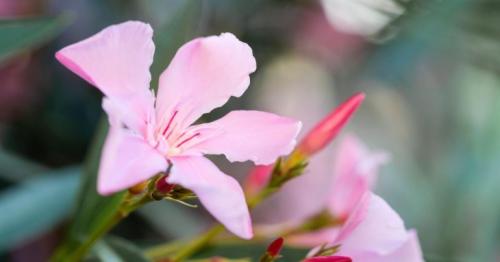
(146, 136)
(355, 172)
(374, 232)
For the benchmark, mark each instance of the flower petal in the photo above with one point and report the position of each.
(248, 135)
(379, 229)
(409, 251)
(356, 170)
(203, 75)
(126, 160)
(221, 194)
(116, 60)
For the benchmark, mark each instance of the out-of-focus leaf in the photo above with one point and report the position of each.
(36, 205)
(92, 209)
(172, 220)
(15, 168)
(114, 249)
(170, 36)
(18, 35)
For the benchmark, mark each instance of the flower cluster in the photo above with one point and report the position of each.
(155, 143)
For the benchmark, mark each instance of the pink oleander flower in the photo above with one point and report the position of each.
(148, 133)
(374, 232)
(355, 171)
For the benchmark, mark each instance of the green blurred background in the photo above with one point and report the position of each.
(430, 70)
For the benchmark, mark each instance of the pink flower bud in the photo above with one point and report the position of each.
(258, 178)
(324, 132)
(275, 247)
(328, 259)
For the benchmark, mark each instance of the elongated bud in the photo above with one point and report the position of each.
(324, 132)
(273, 251)
(275, 247)
(328, 259)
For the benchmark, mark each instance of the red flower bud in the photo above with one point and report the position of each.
(324, 132)
(163, 186)
(328, 259)
(275, 247)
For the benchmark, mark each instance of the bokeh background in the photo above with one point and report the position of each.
(430, 70)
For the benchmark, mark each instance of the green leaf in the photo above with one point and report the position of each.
(15, 168)
(115, 249)
(17, 36)
(33, 207)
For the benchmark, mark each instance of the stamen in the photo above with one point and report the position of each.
(169, 123)
(187, 140)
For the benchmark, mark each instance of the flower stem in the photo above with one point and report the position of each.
(128, 204)
(198, 243)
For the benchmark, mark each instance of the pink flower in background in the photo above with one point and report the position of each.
(355, 171)
(374, 232)
(147, 133)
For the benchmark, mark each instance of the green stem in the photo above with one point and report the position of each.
(198, 243)
(195, 245)
(128, 204)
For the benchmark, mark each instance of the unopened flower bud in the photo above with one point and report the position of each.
(258, 178)
(324, 132)
(163, 186)
(275, 247)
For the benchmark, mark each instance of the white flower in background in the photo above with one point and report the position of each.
(361, 17)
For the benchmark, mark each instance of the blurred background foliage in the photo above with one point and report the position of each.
(430, 70)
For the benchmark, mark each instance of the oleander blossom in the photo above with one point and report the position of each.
(374, 232)
(148, 133)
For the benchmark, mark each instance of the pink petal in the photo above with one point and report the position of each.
(116, 60)
(203, 75)
(126, 160)
(248, 135)
(380, 231)
(409, 251)
(221, 195)
(356, 170)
